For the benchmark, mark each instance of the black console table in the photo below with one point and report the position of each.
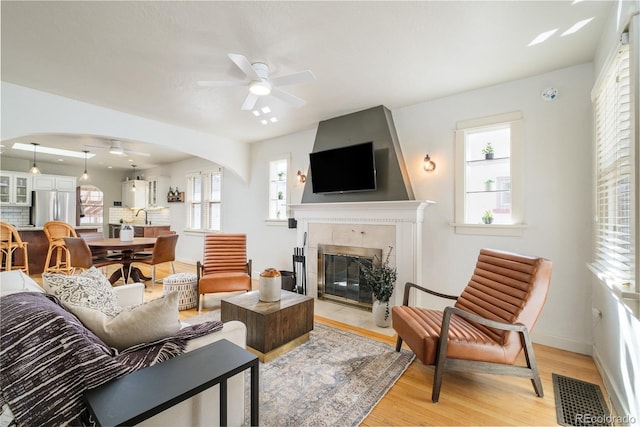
(142, 394)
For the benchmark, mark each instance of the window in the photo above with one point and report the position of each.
(278, 189)
(489, 175)
(204, 197)
(91, 203)
(615, 168)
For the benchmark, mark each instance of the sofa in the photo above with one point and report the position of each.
(200, 410)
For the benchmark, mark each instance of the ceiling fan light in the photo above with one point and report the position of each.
(260, 87)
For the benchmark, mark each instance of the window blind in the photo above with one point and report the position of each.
(614, 245)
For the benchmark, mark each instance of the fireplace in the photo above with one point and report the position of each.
(339, 274)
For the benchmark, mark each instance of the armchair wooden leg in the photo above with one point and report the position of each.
(531, 363)
(399, 343)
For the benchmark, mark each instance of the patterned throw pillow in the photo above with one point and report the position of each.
(91, 290)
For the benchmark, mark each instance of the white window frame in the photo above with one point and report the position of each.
(514, 121)
(204, 199)
(616, 138)
(277, 185)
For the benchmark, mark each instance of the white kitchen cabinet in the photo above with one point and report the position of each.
(15, 189)
(134, 199)
(157, 190)
(54, 182)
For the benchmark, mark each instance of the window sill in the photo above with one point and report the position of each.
(625, 294)
(276, 222)
(198, 231)
(513, 230)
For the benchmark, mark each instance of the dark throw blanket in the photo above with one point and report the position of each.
(48, 359)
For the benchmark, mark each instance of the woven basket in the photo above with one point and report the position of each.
(187, 286)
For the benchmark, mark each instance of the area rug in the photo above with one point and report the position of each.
(579, 403)
(334, 379)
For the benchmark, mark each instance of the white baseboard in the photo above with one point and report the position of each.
(617, 401)
(562, 343)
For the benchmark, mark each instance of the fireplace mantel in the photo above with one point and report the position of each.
(405, 216)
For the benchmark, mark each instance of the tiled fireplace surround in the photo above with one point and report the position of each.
(367, 225)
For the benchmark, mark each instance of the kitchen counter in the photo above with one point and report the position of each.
(140, 230)
(134, 224)
(79, 227)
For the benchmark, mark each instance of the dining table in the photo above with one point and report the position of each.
(125, 249)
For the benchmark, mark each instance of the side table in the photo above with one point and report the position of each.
(187, 286)
(149, 391)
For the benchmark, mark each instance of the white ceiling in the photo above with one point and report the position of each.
(145, 58)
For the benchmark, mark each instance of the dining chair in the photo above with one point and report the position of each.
(56, 231)
(489, 324)
(81, 257)
(10, 241)
(224, 266)
(164, 251)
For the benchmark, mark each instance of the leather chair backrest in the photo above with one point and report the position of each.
(165, 249)
(79, 252)
(507, 288)
(224, 252)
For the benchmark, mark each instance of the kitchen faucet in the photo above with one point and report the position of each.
(145, 215)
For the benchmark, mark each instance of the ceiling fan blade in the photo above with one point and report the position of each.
(287, 97)
(249, 102)
(306, 76)
(243, 63)
(214, 83)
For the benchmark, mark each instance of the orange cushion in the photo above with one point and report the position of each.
(224, 282)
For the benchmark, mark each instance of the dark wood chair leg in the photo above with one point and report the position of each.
(399, 343)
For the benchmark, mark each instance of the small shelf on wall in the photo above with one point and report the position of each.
(176, 198)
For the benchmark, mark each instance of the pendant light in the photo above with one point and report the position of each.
(85, 175)
(133, 187)
(34, 169)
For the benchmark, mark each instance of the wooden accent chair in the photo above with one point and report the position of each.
(224, 266)
(489, 323)
(163, 251)
(10, 241)
(81, 257)
(56, 231)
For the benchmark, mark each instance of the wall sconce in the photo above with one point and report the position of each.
(301, 177)
(429, 165)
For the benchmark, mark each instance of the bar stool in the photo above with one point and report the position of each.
(10, 241)
(55, 232)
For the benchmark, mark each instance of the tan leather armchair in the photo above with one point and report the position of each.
(489, 324)
(224, 266)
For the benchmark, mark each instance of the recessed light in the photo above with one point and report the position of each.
(542, 37)
(266, 110)
(576, 27)
(264, 122)
(256, 113)
(62, 160)
(273, 119)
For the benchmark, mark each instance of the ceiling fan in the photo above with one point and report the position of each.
(117, 149)
(260, 84)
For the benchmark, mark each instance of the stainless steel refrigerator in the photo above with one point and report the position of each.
(53, 206)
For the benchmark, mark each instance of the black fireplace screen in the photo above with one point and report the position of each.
(340, 275)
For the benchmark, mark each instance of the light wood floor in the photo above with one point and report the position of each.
(466, 398)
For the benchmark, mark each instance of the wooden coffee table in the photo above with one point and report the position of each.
(273, 328)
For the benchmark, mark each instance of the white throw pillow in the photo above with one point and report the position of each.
(91, 289)
(151, 321)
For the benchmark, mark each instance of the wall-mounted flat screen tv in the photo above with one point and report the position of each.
(343, 169)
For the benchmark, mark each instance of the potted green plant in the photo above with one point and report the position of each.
(488, 151)
(382, 279)
(280, 176)
(487, 218)
(279, 195)
(489, 185)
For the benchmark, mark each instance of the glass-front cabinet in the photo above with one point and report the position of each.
(158, 187)
(15, 189)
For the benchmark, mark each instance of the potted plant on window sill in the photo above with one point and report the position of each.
(382, 280)
(489, 185)
(488, 151)
(487, 218)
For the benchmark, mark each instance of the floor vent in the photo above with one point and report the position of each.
(579, 403)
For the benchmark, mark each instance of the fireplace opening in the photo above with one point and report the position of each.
(339, 274)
